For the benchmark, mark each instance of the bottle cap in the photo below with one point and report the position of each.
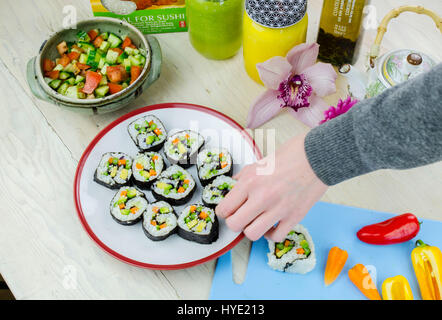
(276, 13)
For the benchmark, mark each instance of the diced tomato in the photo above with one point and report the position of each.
(117, 50)
(77, 48)
(92, 81)
(62, 48)
(82, 66)
(64, 60)
(92, 34)
(126, 42)
(52, 74)
(132, 46)
(73, 55)
(114, 88)
(116, 73)
(135, 72)
(98, 41)
(48, 65)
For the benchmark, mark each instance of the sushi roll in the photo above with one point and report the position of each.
(174, 185)
(148, 133)
(217, 190)
(128, 205)
(199, 224)
(295, 254)
(146, 168)
(159, 221)
(182, 147)
(114, 170)
(213, 162)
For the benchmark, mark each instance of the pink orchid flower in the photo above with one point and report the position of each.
(295, 82)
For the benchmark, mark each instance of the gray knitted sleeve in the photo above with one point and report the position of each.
(399, 129)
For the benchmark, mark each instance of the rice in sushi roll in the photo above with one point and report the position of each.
(148, 133)
(114, 170)
(159, 221)
(174, 185)
(295, 254)
(213, 162)
(199, 224)
(182, 147)
(146, 168)
(128, 205)
(217, 190)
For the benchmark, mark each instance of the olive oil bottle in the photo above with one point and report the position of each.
(339, 30)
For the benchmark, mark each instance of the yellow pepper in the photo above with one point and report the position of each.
(396, 288)
(427, 264)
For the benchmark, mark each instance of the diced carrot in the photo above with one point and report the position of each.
(192, 208)
(110, 160)
(139, 166)
(117, 50)
(52, 74)
(123, 193)
(134, 210)
(300, 251)
(64, 60)
(114, 87)
(223, 164)
(155, 209)
(286, 243)
(135, 72)
(181, 190)
(186, 181)
(122, 205)
(153, 222)
(82, 66)
(73, 55)
(98, 41)
(176, 141)
(126, 42)
(92, 81)
(203, 215)
(48, 65)
(152, 172)
(121, 162)
(62, 48)
(116, 74)
(157, 131)
(163, 225)
(92, 34)
(154, 158)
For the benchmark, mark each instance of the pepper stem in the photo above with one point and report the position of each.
(420, 243)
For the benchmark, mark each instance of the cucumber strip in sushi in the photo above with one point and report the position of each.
(146, 168)
(182, 147)
(174, 185)
(295, 254)
(199, 224)
(128, 206)
(159, 221)
(217, 190)
(148, 133)
(213, 162)
(114, 170)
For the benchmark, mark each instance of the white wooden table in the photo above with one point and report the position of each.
(44, 251)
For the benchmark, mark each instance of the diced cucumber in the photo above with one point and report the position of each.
(101, 63)
(71, 81)
(121, 57)
(64, 75)
(134, 61)
(54, 84)
(112, 57)
(101, 91)
(83, 58)
(91, 59)
(126, 63)
(72, 68)
(124, 85)
(136, 52)
(62, 89)
(58, 67)
(86, 46)
(72, 92)
(83, 36)
(105, 45)
(79, 79)
(104, 69)
(105, 35)
(103, 81)
(129, 50)
(114, 40)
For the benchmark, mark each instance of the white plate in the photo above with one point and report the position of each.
(128, 243)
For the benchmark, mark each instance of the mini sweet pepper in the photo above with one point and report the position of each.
(396, 288)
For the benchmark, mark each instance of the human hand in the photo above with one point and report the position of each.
(259, 201)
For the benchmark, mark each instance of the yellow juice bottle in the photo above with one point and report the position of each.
(271, 28)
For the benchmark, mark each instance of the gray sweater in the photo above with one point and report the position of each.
(399, 129)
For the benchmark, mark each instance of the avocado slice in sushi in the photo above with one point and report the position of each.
(216, 191)
(114, 170)
(159, 221)
(212, 163)
(128, 205)
(148, 133)
(295, 254)
(146, 168)
(198, 223)
(182, 147)
(175, 185)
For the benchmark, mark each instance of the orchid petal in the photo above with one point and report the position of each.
(265, 108)
(274, 71)
(312, 115)
(303, 56)
(322, 78)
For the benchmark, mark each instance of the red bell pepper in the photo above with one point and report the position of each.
(395, 230)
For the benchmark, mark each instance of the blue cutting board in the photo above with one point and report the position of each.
(329, 225)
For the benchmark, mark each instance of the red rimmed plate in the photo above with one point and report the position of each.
(128, 243)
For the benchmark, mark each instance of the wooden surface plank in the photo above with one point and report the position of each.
(46, 254)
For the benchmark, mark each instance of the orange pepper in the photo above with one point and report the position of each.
(152, 172)
(153, 222)
(154, 158)
(150, 123)
(286, 243)
(203, 215)
(176, 141)
(121, 162)
(362, 280)
(186, 181)
(134, 210)
(221, 155)
(223, 164)
(139, 166)
(181, 190)
(163, 225)
(187, 136)
(157, 131)
(192, 208)
(123, 193)
(110, 160)
(335, 263)
(122, 206)
(300, 251)
(155, 209)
